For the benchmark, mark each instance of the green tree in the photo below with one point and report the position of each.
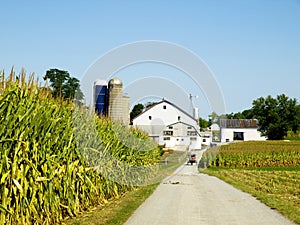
(149, 104)
(215, 118)
(298, 116)
(248, 114)
(62, 84)
(203, 123)
(276, 116)
(137, 109)
(238, 115)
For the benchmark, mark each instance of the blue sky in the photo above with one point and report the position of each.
(251, 47)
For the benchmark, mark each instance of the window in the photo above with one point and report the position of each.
(164, 107)
(204, 140)
(168, 133)
(189, 127)
(178, 118)
(191, 133)
(193, 139)
(238, 136)
(166, 138)
(170, 127)
(150, 117)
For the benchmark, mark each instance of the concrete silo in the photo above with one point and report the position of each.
(116, 106)
(101, 97)
(126, 110)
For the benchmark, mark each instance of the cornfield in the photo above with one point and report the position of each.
(256, 154)
(52, 166)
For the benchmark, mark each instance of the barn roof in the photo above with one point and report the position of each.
(238, 123)
(166, 101)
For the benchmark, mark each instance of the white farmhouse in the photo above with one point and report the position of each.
(240, 130)
(169, 125)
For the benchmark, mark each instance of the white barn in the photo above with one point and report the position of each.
(240, 130)
(169, 125)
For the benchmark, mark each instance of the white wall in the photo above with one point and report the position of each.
(181, 141)
(168, 143)
(214, 126)
(160, 116)
(196, 144)
(206, 138)
(174, 141)
(250, 134)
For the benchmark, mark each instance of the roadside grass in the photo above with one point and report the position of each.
(278, 188)
(117, 211)
(268, 170)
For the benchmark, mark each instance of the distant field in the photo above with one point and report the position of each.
(268, 170)
(258, 154)
(293, 139)
(293, 136)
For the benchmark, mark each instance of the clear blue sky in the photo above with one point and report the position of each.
(252, 47)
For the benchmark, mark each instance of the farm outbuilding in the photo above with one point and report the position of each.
(169, 125)
(239, 130)
(207, 137)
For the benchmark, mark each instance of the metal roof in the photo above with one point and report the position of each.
(238, 123)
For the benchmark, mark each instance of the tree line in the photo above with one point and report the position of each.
(276, 116)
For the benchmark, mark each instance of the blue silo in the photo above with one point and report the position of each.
(101, 97)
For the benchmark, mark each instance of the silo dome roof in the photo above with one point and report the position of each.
(115, 81)
(100, 81)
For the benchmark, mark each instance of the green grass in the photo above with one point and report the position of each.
(293, 136)
(268, 170)
(276, 187)
(115, 211)
(290, 168)
(293, 139)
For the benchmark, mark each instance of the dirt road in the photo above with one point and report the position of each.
(190, 198)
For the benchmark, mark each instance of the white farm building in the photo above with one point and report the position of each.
(169, 125)
(239, 130)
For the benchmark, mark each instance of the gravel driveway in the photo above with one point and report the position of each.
(190, 198)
